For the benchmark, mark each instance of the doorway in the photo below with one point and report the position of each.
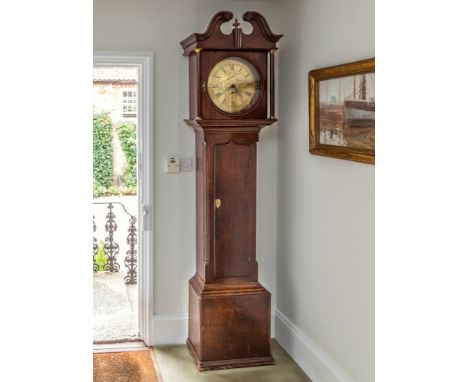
(122, 198)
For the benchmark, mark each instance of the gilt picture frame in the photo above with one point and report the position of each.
(342, 111)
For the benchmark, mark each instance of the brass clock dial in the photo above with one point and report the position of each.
(233, 85)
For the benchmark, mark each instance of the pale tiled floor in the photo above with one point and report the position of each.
(175, 365)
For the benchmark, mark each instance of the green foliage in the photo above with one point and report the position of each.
(98, 190)
(103, 157)
(102, 153)
(127, 136)
(101, 257)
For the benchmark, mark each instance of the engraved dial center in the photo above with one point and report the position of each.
(233, 85)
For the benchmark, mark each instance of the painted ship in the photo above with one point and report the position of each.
(358, 112)
(347, 114)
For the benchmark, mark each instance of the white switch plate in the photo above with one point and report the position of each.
(172, 165)
(186, 165)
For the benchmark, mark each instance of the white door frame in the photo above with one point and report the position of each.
(144, 62)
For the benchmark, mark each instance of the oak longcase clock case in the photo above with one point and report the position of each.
(231, 94)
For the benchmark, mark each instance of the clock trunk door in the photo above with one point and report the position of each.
(235, 194)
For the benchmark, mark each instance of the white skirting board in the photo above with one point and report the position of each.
(173, 329)
(307, 354)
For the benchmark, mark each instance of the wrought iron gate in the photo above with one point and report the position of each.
(111, 247)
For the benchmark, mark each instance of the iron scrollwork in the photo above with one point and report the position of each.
(95, 248)
(110, 246)
(131, 255)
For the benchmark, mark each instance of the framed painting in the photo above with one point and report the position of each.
(342, 111)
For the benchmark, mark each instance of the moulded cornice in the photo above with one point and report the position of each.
(261, 37)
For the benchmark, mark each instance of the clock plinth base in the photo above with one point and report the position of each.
(229, 325)
(228, 363)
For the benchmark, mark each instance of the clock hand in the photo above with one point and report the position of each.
(232, 86)
(242, 85)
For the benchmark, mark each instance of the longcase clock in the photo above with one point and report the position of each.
(231, 94)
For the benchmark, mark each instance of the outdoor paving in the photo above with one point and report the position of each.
(115, 308)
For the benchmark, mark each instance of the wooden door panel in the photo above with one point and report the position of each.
(234, 230)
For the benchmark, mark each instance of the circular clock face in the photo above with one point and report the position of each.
(233, 85)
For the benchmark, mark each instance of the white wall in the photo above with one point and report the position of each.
(325, 264)
(159, 26)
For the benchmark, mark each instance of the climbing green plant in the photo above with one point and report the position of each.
(101, 257)
(102, 153)
(127, 136)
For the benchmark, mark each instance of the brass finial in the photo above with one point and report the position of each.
(236, 23)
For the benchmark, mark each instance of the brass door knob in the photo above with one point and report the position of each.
(218, 203)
